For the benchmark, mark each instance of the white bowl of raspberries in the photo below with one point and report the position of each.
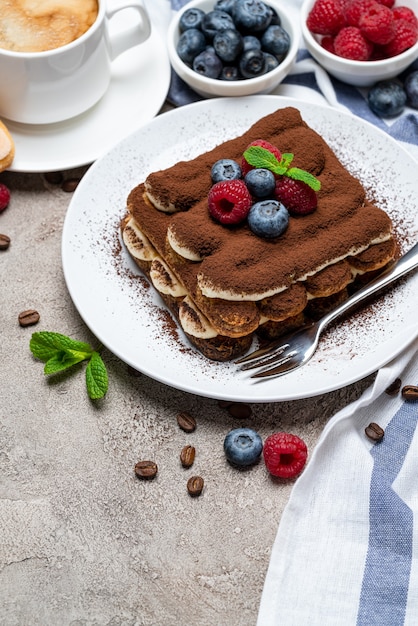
(361, 42)
(232, 47)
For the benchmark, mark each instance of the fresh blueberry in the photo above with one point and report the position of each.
(192, 18)
(243, 446)
(225, 5)
(261, 183)
(230, 72)
(251, 42)
(251, 15)
(216, 22)
(276, 41)
(275, 19)
(387, 98)
(208, 64)
(191, 43)
(252, 63)
(411, 88)
(228, 45)
(225, 169)
(271, 62)
(268, 218)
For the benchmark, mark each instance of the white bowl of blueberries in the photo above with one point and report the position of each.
(232, 47)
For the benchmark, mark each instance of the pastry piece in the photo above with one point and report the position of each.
(7, 148)
(225, 284)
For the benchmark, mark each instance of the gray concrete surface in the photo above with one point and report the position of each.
(83, 541)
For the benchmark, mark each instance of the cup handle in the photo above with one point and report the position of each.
(132, 36)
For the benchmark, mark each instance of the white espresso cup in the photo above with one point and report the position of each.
(57, 84)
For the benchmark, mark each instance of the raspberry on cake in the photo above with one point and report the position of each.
(225, 283)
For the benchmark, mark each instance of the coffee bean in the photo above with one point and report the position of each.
(28, 318)
(186, 422)
(54, 178)
(146, 469)
(195, 485)
(70, 184)
(239, 410)
(187, 456)
(394, 387)
(410, 393)
(4, 242)
(374, 431)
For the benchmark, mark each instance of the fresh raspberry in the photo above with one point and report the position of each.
(4, 196)
(229, 201)
(377, 24)
(327, 43)
(350, 44)
(326, 17)
(246, 167)
(285, 454)
(405, 37)
(354, 9)
(405, 13)
(387, 3)
(297, 196)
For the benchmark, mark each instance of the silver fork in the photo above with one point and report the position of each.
(296, 348)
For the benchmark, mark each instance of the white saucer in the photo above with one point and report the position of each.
(139, 86)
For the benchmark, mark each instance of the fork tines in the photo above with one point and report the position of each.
(263, 357)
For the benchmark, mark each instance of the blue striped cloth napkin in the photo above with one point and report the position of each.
(346, 550)
(345, 553)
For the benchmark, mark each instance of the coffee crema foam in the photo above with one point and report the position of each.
(40, 25)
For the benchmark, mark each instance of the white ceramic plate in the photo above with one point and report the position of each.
(126, 315)
(138, 88)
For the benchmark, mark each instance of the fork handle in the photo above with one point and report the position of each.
(405, 264)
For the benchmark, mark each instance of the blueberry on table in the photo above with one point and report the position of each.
(252, 15)
(276, 41)
(411, 88)
(261, 183)
(268, 218)
(252, 63)
(192, 18)
(191, 43)
(225, 169)
(387, 98)
(243, 446)
(228, 45)
(208, 64)
(216, 22)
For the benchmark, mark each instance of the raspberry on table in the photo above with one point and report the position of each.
(4, 196)
(326, 17)
(297, 196)
(285, 454)
(350, 44)
(229, 201)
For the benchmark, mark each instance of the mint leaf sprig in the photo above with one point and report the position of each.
(260, 157)
(60, 352)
